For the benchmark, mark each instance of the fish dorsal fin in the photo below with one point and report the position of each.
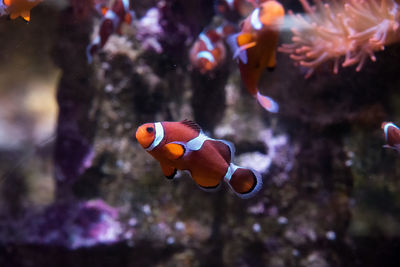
(191, 124)
(226, 149)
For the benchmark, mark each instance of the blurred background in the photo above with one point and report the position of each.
(76, 189)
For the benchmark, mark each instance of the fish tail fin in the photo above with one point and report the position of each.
(267, 103)
(243, 181)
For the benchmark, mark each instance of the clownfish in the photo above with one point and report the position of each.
(392, 135)
(233, 9)
(208, 51)
(183, 146)
(255, 47)
(20, 8)
(110, 23)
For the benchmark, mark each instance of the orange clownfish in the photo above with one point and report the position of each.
(111, 22)
(233, 9)
(20, 8)
(255, 47)
(184, 146)
(392, 135)
(208, 52)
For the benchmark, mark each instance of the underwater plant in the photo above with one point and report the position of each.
(353, 29)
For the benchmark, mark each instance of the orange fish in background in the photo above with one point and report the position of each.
(20, 8)
(208, 51)
(112, 20)
(392, 135)
(255, 47)
(183, 146)
(234, 9)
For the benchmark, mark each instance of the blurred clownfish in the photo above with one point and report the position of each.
(392, 135)
(20, 8)
(255, 47)
(209, 50)
(183, 146)
(111, 23)
(234, 9)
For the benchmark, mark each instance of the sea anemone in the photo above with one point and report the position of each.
(354, 29)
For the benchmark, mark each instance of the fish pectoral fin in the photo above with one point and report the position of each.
(244, 39)
(26, 15)
(247, 46)
(174, 150)
(168, 171)
(241, 51)
(239, 43)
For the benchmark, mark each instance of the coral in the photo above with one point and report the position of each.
(354, 29)
(148, 30)
(171, 24)
(278, 157)
(3, 9)
(68, 224)
(75, 98)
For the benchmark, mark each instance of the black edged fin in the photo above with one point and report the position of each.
(211, 188)
(191, 124)
(170, 177)
(245, 182)
(270, 69)
(225, 148)
(252, 188)
(393, 135)
(168, 171)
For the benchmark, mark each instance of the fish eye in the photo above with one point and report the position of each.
(149, 129)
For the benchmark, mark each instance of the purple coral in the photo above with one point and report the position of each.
(68, 224)
(149, 30)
